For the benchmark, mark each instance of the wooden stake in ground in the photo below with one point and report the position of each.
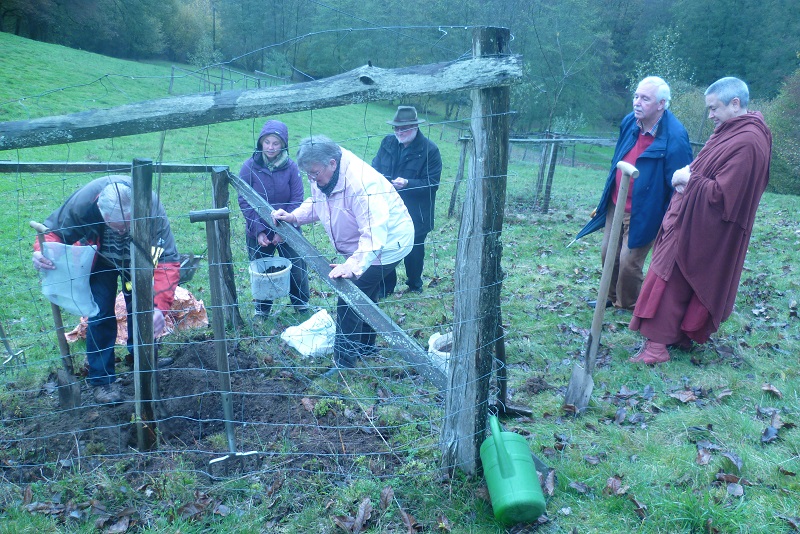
(581, 383)
(69, 391)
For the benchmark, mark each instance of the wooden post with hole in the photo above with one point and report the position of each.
(142, 279)
(478, 276)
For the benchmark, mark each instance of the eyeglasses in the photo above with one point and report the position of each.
(400, 129)
(314, 175)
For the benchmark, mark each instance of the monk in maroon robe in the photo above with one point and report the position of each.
(700, 248)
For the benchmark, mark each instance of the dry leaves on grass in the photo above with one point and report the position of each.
(614, 486)
(639, 507)
(356, 524)
(769, 388)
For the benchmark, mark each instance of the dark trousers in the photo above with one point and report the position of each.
(414, 263)
(101, 331)
(299, 292)
(354, 337)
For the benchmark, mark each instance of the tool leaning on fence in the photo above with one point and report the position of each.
(581, 384)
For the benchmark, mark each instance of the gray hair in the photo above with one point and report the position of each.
(729, 88)
(115, 199)
(318, 149)
(662, 89)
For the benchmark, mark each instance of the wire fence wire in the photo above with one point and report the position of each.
(286, 412)
(383, 419)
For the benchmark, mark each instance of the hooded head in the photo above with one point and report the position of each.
(276, 129)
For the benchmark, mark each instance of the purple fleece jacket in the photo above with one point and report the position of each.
(282, 187)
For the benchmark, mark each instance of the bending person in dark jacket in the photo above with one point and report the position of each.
(653, 140)
(99, 214)
(412, 163)
(274, 176)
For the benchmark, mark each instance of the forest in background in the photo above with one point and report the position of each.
(581, 57)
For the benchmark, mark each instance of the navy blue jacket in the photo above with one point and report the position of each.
(421, 165)
(652, 190)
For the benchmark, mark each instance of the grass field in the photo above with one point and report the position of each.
(670, 449)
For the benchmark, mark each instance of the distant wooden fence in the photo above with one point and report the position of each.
(549, 157)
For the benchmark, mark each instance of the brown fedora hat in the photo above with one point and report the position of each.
(405, 116)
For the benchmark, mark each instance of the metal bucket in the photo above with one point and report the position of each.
(270, 285)
(511, 477)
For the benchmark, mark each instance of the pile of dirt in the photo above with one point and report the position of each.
(273, 413)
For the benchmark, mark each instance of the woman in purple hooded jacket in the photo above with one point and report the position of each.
(274, 176)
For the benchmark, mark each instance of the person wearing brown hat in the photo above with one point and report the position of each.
(412, 163)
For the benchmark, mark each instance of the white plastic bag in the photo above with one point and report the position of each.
(313, 337)
(68, 284)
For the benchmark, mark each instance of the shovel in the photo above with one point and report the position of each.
(69, 390)
(581, 384)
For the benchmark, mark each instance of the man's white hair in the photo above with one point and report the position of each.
(115, 199)
(662, 89)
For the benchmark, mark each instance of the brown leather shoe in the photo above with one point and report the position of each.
(651, 353)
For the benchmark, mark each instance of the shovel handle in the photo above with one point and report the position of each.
(628, 172)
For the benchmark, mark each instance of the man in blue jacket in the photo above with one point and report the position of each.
(653, 140)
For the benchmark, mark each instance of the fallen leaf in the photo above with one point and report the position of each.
(776, 421)
(734, 459)
(344, 522)
(119, 526)
(222, 510)
(364, 513)
(710, 528)
(735, 490)
(732, 479)
(769, 388)
(387, 496)
(592, 460)
(786, 472)
(580, 487)
(308, 404)
(724, 393)
(565, 511)
(410, 522)
(625, 393)
(684, 396)
(769, 435)
(614, 486)
(619, 416)
(442, 523)
(27, 496)
(703, 457)
(640, 507)
(549, 486)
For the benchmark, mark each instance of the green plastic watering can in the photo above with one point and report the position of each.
(511, 477)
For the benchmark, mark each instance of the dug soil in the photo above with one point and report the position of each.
(273, 413)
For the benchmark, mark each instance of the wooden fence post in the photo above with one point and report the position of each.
(142, 278)
(230, 300)
(478, 276)
(550, 172)
(459, 176)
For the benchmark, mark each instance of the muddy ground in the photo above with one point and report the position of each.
(275, 412)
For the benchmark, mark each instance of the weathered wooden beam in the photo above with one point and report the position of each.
(397, 339)
(58, 167)
(144, 367)
(478, 276)
(364, 84)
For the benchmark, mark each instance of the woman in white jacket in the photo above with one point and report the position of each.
(367, 222)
